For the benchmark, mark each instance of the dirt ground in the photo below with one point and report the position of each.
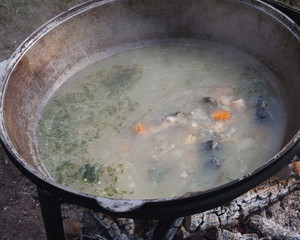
(20, 216)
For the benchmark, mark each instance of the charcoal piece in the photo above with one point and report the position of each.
(87, 237)
(211, 146)
(212, 163)
(210, 101)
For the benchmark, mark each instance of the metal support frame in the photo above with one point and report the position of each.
(291, 12)
(162, 228)
(51, 212)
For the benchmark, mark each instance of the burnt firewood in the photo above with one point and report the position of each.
(119, 228)
(240, 208)
(267, 227)
(73, 227)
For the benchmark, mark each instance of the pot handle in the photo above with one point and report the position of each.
(119, 205)
(3, 68)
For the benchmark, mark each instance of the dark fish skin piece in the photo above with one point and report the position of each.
(211, 101)
(262, 115)
(260, 101)
(170, 118)
(261, 111)
(212, 149)
(212, 163)
(211, 146)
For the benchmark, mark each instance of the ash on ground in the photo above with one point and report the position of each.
(258, 214)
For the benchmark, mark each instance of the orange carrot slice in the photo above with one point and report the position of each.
(140, 129)
(221, 115)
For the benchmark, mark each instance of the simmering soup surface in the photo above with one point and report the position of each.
(160, 121)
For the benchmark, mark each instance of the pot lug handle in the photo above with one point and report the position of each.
(3, 67)
(119, 205)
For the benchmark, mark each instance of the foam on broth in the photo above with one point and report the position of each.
(137, 125)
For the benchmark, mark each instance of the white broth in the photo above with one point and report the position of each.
(160, 121)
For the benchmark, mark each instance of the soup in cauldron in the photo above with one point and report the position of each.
(160, 121)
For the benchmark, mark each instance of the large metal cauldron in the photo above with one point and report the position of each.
(74, 38)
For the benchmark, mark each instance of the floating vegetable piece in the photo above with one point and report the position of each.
(90, 172)
(211, 146)
(221, 115)
(171, 118)
(140, 129)
(191, 139)
(168, 121)
(212, 163)
(211, 101)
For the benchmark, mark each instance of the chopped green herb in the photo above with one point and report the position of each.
(90, 172)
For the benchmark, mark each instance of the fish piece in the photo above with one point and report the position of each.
(171, 118)
(211, 146)
(168, 121)
(260, 101)
(212, 163)
(210, 101)
(226, 100)
(238, 104)
(262, 115)
(261, 112)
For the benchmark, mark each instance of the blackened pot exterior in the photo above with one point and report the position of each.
(75, 39)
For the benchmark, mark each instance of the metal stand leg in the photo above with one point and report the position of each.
(166, 229)
(51, 212)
